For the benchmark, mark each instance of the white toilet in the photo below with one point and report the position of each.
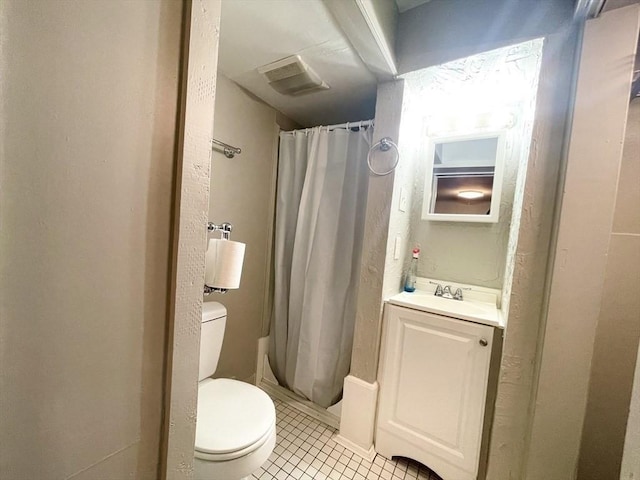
(236, 422)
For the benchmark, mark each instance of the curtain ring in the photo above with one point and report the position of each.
(385, 144)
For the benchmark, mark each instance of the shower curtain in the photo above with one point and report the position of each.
(320, 210)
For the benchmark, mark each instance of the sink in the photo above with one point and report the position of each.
(475, 311)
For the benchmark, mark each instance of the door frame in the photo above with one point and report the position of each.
(199, 58)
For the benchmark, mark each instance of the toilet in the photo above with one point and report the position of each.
(236, 421)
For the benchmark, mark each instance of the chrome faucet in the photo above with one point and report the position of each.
(445, 292)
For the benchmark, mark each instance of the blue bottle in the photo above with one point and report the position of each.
(412, 274)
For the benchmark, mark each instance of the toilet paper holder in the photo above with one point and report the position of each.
(225, 229)
(209, 290)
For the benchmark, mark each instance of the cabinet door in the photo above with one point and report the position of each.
(433, 385)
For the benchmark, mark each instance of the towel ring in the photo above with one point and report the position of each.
(385, 144)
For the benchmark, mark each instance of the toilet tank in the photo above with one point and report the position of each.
(214, 319)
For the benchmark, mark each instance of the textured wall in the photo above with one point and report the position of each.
(523, 296)
(366, 342)
(441, 92)
(509, 430)
(487, 92)
(243, 193)
(618, 333)
(189, 236)
(584, 234)
(404, 182)
(443, 30)
(89, 95)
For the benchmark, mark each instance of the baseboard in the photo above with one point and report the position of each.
(359, 404)
(358, 450)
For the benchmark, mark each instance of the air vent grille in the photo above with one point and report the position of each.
(292, 76)
(286, 71)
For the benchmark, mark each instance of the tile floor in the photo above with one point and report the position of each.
(305, 450)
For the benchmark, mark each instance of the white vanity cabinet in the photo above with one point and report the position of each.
(433, 386)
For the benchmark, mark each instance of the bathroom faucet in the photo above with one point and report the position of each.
(445, 292)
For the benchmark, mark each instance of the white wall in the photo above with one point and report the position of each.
(89, 96)
(487, 92)
(404, 184)
(243, 193)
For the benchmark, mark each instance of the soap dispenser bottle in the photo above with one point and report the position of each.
(410, 279)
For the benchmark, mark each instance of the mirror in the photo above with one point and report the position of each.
(464, 178)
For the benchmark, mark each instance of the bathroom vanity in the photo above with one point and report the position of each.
(434, 377)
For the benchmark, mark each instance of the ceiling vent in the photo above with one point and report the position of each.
(291, 76)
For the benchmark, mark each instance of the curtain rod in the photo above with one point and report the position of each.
(362, 123)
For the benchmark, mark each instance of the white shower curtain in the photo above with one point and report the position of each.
(320, 209)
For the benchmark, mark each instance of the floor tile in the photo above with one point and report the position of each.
(305, 450)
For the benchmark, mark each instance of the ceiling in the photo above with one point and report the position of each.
(256, 33)
(404, 5)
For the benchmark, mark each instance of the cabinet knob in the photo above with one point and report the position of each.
(483, 342)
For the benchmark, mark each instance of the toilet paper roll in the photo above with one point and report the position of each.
(224, 261)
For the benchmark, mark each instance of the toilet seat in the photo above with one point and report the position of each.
(225, 457)
(234, 419)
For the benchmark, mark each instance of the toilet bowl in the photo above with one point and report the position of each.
(236, 421)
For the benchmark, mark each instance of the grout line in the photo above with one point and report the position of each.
(300, 404)
(305, 450)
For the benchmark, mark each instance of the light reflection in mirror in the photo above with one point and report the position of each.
(463, 172)
(463, 195)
